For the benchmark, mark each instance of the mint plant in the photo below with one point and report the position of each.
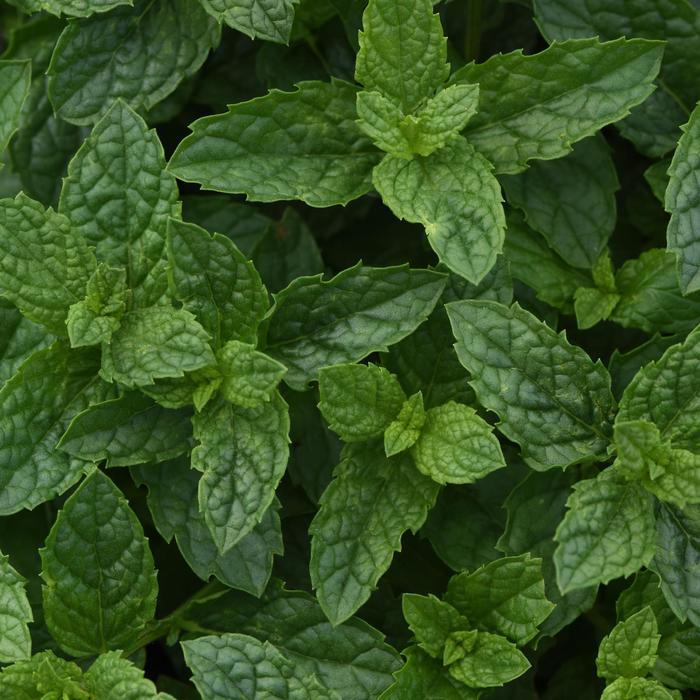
(350, 349)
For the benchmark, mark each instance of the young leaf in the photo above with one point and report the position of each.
(405, 429)
(359, 401)
(259, 19)
(432, 621)
(242, 454)
(44, 262)
(637, 689)
(118, 197)
(522, 117)
(454, 194)
(403, 53)
(364, 512)
(456, 446)
(607, 532)
(550, 396)
(286, 145)
(99, 581)
(112, 677)
(15, 78)
(15, 613)
(139, 53)
(315, 323)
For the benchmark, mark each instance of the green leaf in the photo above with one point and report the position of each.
(172, 501)
(683, 203)
(259, 19)
(381, 119)
(21, 337)
(70, 8)
(242, 454)
(315, 323)
(403, 53)
(550, 396)
(657, 178)
(36, 407)
(570, 200)
(44, 263)
(455, 196)
(594, 304)
(359, 401)
(15, 614)
(249, 377)
(637, 689)
(238, 667)
(607, 532)
(155, 343)
(286, 145)
(456, 445)
(138, 53)
(30, 679)
(364, 512)
(129, 430)
(405, 429)
(111, 677)
(15, 78)
(119, 198)
(432, 621)
(630, 649)
(216, 283)
(484, 660)
(506, 597)
(100, 583)
(589, 84)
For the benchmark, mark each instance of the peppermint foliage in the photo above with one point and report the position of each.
(349, 349)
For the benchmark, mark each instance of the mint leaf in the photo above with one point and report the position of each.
(242, 454)
(216, 283)
(259, 19)
(364, 512)
(20, 339)
(607, 532)
(403, 53)
(15, 614)
(129, 430)
(456, 446)
(683, 203)
(432, 621)
(70, 8)
(268, 160)
(99, 581)
(521, 119)
(550, 396)
(118, 197)
(153, 344)
(455, 196)
(138, 53)
(359, 401)
(637, 689)
(44, 263)
(381, 119)
(630, 649)
(405, 429)
(315, 323)
(15, 78)
(112, 677)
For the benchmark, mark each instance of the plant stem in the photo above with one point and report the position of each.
(472, 34)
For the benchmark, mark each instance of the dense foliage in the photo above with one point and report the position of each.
(408, 408)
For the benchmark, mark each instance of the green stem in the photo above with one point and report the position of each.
(472, 34)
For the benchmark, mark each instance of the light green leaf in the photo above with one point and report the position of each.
(242, 454)
(129, 430)
(44, 263)
(139, 53)
(316, 323)
(432, 621)
(359, 401)
(286, 145)
(249, 377)
(550, 396)
(456, 446)
(657, 178)
(155, 343)
(570, 200)
(70, 8)
(484, 660)
(380, 118)
(15, 78)
(31, 679)
(36, 407)
(588, 84)
(607, 532)
(364, 512)
(15, 614)
(20, 338)
(505, 596)
(637, 689)
(238, 667)
(630, 649)
(100, 584)
(454, 194)
(112, 677)
(216, 283)
(403, 53)
(259, 19)
(683, 203)
(119, 198)
(405, 429)
(594, 304)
